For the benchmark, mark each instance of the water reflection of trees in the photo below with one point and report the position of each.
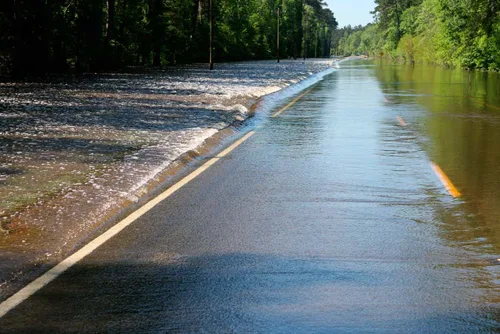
(462, 125)
(457, 122)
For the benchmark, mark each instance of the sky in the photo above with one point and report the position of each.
(353, 12)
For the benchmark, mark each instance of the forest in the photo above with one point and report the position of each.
(61, 36)
(458, 33)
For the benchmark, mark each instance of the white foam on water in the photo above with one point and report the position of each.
(119, 132)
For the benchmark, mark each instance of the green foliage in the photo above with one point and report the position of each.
(96, 35)
(461, 33)
(409, 23)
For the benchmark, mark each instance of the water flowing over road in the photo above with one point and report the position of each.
(99, 142)
(328, 219)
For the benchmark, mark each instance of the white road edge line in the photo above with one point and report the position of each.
(70, 261)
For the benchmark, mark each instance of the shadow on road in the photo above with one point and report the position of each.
(227, 293)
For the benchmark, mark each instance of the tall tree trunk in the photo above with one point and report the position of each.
(316, 43)
(194, 17)
(110, 33)
(157, 55)
(120, 52)
(31, 40)
(95, 35)
(156, 34)
(299, 29)
(211, 51)
(18, 70)
(110, 24)
(147, 44)
(89, 31)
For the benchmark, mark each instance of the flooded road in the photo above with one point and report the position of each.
(456, 116)
(329, 219)
(75, 151)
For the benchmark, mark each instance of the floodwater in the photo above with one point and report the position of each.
(454, 115)
(72, 150)
(329, 219)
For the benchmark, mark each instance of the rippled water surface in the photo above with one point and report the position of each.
(328, 219)
(71, 149)
(454, 115)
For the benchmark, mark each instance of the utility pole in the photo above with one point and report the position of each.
(211, 35)
(278, 38)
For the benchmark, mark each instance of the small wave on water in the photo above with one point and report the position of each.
(73, 150)
(271, 101)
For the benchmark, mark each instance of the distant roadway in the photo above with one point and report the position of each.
(323, 219)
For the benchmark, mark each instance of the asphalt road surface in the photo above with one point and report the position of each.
(328, 219)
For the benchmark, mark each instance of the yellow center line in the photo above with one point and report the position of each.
(445, 180)
(401, 121)
(73, 259)
(279, 112)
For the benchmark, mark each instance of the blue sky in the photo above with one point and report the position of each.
(352, 12)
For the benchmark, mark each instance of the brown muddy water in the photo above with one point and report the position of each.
(455, 115)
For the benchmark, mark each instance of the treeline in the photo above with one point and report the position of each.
(40, 36)
(461, 33)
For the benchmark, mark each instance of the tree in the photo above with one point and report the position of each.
(101, 35)
(450, 32)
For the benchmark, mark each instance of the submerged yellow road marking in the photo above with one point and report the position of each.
(70, 261)
(279, 112)
(492, 106)
(445, 181)
(401, 121)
